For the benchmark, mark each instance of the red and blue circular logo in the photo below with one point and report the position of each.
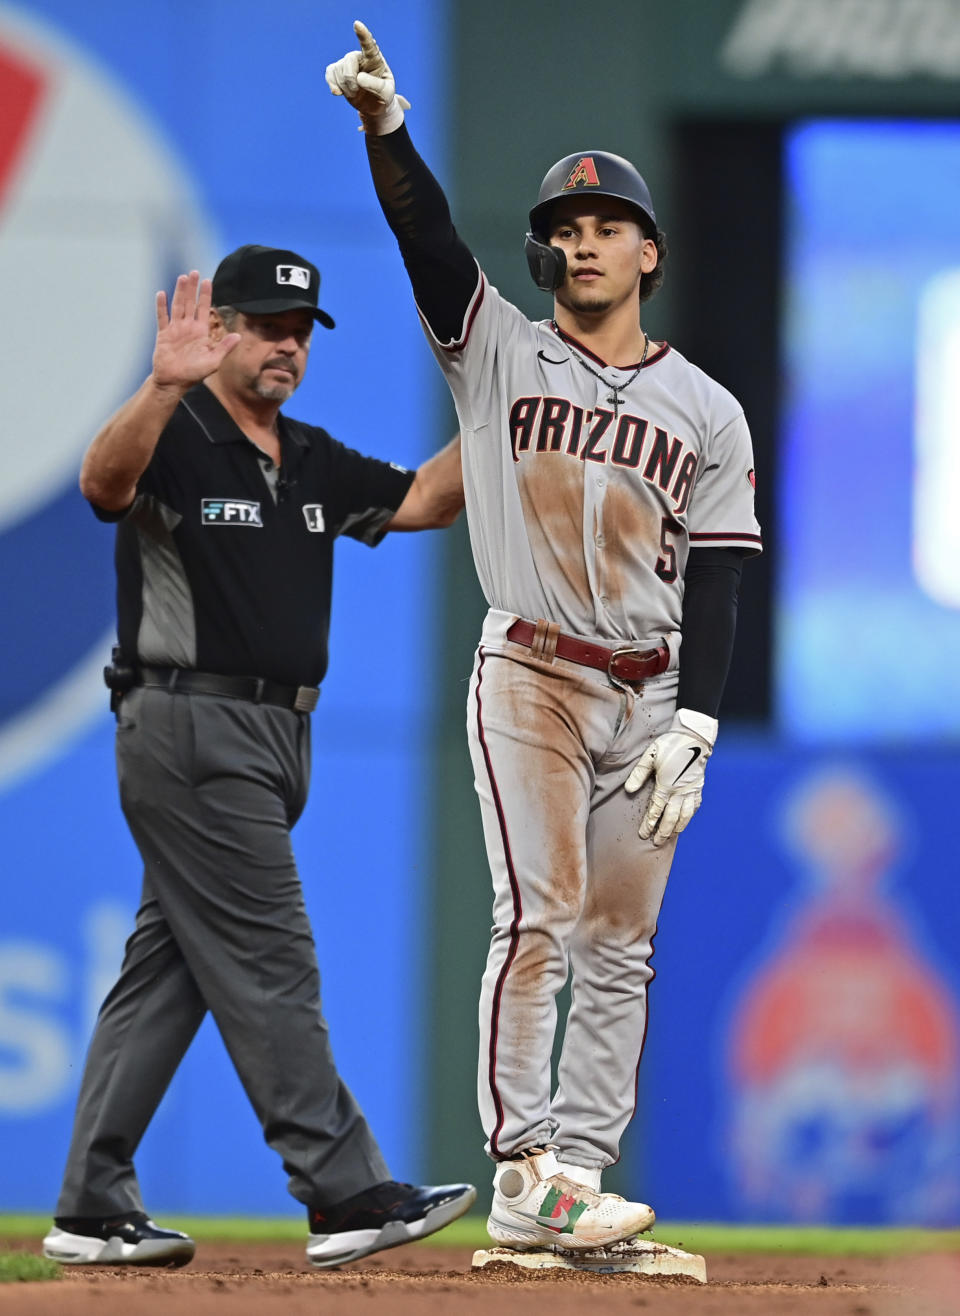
(96, 214)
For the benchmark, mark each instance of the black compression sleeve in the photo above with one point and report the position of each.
(710, 594)
(442, 269)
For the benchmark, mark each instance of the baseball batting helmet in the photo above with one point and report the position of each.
(593, 173)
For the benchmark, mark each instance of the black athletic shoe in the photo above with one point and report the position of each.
(127, 1240)
(383, 1216)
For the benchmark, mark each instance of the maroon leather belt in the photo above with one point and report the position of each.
(626, 664)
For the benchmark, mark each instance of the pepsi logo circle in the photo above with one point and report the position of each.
(96, 214)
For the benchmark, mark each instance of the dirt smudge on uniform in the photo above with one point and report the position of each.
(540, 707)
(551, 492)
(630, 529)
(623, 897)
(536, 976)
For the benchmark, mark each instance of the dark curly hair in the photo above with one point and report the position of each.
(649, 283)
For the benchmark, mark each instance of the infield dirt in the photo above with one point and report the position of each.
(234, 1279)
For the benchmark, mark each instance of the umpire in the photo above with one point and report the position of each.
(226, 514)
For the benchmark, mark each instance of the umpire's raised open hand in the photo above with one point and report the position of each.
(363, 77)
(185, 352)
(677, 761)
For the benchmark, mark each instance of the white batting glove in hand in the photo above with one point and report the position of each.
(677, 761)
(363, 76)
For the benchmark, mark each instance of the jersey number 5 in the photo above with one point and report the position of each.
(666, 567)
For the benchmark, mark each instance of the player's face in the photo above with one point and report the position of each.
(271, 357)
(606, 252)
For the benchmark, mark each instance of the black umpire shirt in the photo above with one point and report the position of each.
(225, 564)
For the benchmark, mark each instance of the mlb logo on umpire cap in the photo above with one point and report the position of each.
(268, 280)
(293, 275)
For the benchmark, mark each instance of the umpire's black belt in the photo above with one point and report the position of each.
(299, 698)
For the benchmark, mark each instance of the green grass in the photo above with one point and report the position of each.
(470, 1232)
(16, 1266)
(821, 1240)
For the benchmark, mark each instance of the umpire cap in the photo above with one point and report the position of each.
(263, 280)
(596, 173)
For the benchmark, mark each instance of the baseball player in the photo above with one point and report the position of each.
(609, 491)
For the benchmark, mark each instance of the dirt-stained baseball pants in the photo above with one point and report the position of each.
(575, 890)
(210, 788)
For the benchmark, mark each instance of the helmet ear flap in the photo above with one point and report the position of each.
(548, 265)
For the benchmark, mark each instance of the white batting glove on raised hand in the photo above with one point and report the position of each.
(677, 761)
(363, 76)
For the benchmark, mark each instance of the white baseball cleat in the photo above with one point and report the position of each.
(536, 1205)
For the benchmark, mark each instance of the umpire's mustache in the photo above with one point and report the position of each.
(280, 363)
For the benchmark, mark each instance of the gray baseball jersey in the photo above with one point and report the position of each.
(583, 504)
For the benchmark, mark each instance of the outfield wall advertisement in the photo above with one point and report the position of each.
(803, 1056)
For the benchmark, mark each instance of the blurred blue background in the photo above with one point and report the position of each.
(871, 555)
(803, 1056)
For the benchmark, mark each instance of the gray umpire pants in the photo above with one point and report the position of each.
(210, 788)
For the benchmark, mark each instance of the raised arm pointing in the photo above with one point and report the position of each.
(364, 78)
(442, 270)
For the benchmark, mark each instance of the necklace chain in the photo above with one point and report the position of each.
(617, 388)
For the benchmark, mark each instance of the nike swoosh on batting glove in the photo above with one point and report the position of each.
(363, 77)
(677, 761)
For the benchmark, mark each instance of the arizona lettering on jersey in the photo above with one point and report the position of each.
(585, 491)
(597, 435)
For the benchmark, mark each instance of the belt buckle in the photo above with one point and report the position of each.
(306, 699)
(630, 651)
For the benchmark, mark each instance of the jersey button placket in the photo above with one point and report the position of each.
(599, 540)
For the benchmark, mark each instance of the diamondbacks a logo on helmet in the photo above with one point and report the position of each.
(583, 174)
